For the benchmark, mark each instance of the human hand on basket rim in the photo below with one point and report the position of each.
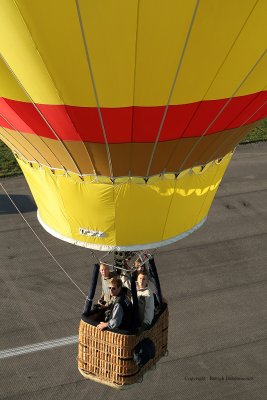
(102, 325)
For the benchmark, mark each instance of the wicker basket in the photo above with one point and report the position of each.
(107, 357)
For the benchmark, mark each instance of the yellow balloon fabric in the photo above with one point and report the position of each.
(124, 114)
(128, 214)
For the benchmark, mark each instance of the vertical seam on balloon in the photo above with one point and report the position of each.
(40, 138)
(173, 85)
(16, 149)
(220, 112)
(23, 156)
(94, 86)
(42, 116)
(243, 125)
(216, 74)
(206, 196)
(168, 211)
(134, 80)
(255, 112)
(86, 150)
(4, 139)
(55, 86)
(251, 102)
(114, 208)
(35, 106)
(24, 137)
(225, 151)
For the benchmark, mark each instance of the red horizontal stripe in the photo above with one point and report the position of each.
(133, 124)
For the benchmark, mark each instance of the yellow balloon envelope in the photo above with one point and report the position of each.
(124, 115)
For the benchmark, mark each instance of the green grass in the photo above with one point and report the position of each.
(258, 134)
(8, 163)
(9, 166)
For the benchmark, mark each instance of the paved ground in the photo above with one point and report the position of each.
(215, 282)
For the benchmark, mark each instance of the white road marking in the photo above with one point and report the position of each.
(17, 351)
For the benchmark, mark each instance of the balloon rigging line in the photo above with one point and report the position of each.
(9, 134)
(28, 151)
(227, 138)
(59, 95)
(42, 243)
(4, 139)
(255, 112)
(43, 117)
(243, 125)
(216, 117)
(18, 81)
(229, 51)
(94, 87)
(206, 196)
(105, 255)
(220, 112)
(172, 88)
(214, 78)
(134, 80)
(39, 137)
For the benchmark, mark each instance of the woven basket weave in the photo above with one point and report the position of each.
(107, 356)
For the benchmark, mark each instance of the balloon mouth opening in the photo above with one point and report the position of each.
(104, 247)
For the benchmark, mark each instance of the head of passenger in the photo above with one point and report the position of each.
(104, 270)
(140, 267)
(115, 286)
(142, 280)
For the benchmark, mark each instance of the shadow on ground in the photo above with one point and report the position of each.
(23, 202)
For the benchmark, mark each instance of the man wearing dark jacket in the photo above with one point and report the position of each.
(119, 309)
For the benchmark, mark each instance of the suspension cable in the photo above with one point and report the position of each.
(20, 144)
(213, 79)
(221, 111)
(59, 95)
(172, 88)
(134, 83)
(10, 145)
(226, 138)
(42, 116)
(94, 86)
(42, 243)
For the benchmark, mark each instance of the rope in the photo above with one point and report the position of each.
(94, 86)
(24, 137)
(58, 92)
(23, 156)
(43, 117)
(172, 88)
(216, 117)
(134, 80)
(42, 243)
(226, 139)
(10, 144)
(221, 111)
(212, 81)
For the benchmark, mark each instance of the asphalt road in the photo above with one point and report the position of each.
(215, 282)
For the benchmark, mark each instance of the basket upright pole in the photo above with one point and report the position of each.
(136, 321)
(154, 273)
(89, 299)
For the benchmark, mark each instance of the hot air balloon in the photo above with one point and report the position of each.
(123, 116)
